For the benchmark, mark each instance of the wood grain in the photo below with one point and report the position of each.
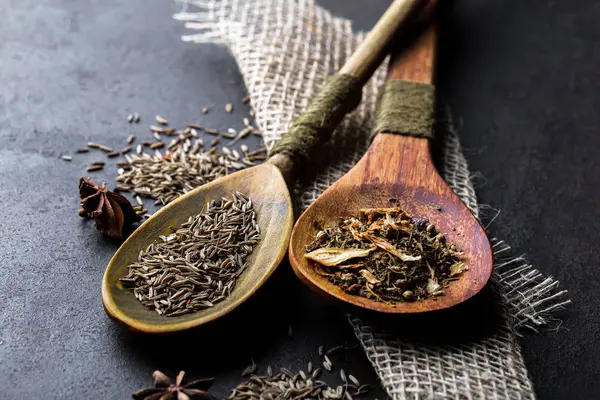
(401, 168)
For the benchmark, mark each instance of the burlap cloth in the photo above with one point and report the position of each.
(285, 49)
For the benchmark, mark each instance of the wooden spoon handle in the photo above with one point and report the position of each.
(406, 102)
(416, 63)
(341, 93)
(365, 60)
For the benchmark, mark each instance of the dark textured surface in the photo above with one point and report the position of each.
(523, 77)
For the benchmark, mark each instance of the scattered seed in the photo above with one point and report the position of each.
(157, 145)
(335, 349)
(229, 107)
(123, 188)
(321, 350)
(113, 154)
(343, 375)
(130, 139)
(162, 129)
(66, 158)
(242, 134)
(92, 168)
(82, 150)
(246, 100)
(250, 369)
(205, 110)
(139, 200)
(130, 118)
(211, 131)
(156, 136)
(139, 149)
(354, 380)
(126, 150)
(327, 366)
(160, 120)
(98, 163)
(136, 117)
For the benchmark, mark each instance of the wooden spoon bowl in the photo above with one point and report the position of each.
(400, 169)
(267, 189)
(401, 172)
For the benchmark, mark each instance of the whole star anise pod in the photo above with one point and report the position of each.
(111, 212)
(166, 390)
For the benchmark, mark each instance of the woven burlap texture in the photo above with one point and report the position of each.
(285, 50)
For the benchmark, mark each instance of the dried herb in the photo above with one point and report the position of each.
(111, 212)
(386, 255)
(166, 390)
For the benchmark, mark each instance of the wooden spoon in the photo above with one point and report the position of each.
(399, 167)
(266, 186)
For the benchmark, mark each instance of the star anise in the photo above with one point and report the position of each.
(166, 390)
(111, 212)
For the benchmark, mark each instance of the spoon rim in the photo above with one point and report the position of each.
(112, 308)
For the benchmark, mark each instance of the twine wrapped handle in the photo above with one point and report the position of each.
(405, 108)
(340, 95)
(342, 92)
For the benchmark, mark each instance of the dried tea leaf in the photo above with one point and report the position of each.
(387, 246)
(412, 261)
(330, 256)
(372, 279)
(349, 266)
(433, 287)
(458, 268)
(403, 225)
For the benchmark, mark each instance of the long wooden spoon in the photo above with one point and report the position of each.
(399, 167)
(265, 184)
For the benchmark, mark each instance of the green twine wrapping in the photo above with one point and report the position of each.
(340, 95)
(405, 108)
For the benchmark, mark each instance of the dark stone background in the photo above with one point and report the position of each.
(522, 76)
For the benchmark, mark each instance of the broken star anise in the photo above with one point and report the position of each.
(166, 390)
(111, 212)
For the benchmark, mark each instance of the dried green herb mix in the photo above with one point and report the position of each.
(386, 255)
